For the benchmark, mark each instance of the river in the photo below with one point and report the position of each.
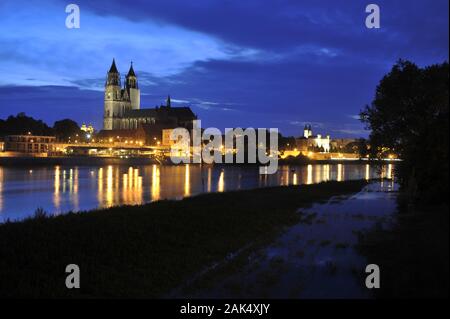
(61, 189)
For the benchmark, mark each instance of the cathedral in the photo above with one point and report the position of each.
(122, 108)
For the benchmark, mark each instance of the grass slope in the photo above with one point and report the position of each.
(144, 251)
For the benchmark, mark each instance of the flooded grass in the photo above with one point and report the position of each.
(312, 259)
(148, 250)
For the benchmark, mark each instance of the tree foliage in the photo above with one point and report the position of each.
(22, 124)
(409, 116)
(66, 128)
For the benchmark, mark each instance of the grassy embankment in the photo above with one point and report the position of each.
(144, 251)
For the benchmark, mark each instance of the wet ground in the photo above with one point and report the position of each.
(315, 258)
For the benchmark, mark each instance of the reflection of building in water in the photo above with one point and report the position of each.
(294, 179)
(221, 183)
(367, 174)
(73, 186)
(109, 186)
(131, 183)
(340, 173)
(100, 185)
(209, 179)
(309, 174)
(131, 186)
(326, 172)
(389, 171)
(57, 186)
(156, 183)
(187, 181)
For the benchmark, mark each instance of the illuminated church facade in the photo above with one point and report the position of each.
(122, 106)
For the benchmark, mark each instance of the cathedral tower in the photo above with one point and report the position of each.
(113, 97)
(133, 89)
(117, 100)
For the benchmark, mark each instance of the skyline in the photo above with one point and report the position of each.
(260, 65)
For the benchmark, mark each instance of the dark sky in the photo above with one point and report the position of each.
(271, 63)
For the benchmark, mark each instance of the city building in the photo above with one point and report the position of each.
(122, 107)
(89, 129)
(29, 144)
(136, 136)
(309, 142)
(344, 145)
(166, 141)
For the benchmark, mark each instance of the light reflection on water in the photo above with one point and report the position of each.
(61, 189)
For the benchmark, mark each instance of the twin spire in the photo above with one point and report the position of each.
(131, 71)
(114, 76)
(113, 69)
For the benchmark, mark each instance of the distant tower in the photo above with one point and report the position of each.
(307, 131)
(132, 87)
(168, 102)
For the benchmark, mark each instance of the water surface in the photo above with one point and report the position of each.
(62, 189)
(314, 259)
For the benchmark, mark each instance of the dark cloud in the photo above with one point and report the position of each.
(414, 27)
(307, 61)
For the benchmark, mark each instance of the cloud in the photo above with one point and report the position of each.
(179, 101)
(355, 117)
(42, 46)
(237, 63)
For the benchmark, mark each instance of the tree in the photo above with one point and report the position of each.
(362, 147)
(22, 124)
(409, 116)
(66, 128)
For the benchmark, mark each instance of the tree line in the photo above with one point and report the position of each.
(22, 124)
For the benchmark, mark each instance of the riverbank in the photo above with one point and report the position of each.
(74, 161)
(145, 251)
(312, 259)
(413, 256)
(136, 161)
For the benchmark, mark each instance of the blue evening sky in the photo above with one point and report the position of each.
(271, 63)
